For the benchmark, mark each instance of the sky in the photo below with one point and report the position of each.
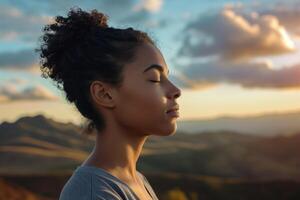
(229, 58)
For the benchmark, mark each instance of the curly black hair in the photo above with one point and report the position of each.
(81, 48)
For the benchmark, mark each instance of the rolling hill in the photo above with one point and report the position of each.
(38, 145)
(38, 155)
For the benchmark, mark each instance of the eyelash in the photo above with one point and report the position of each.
(155, 81)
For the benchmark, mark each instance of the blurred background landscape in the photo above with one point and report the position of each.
(237, 64)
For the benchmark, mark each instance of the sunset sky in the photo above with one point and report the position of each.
(235, 58)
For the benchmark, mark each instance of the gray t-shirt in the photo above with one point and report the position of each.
(93, 183)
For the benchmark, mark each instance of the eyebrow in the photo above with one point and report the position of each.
(155, 66)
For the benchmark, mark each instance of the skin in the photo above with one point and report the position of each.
(133, 112)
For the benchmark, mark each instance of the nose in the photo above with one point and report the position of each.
(174, 92)
(178, 94)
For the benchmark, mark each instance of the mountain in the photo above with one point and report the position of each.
(230, 155)
(39, 145)
(267, 125)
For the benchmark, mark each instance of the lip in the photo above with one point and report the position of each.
(173, 113)
(175, 108)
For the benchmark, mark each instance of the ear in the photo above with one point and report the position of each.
(101, 94)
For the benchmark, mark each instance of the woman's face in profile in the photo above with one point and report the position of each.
(146, 94)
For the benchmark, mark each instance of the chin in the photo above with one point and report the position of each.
(169, 131)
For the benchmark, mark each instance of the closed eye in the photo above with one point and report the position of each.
(154, 81)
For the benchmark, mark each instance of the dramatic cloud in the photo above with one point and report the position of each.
(235, 37)
(10, 92)
(248, 75)
(223, 47)
(288, 15)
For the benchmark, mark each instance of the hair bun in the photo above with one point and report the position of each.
(79, 23)
(98, 19)
(95, 18)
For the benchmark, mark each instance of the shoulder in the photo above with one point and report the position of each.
(77, 187)
(84, 185)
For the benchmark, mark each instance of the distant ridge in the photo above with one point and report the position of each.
(266, 125)
(42, 145)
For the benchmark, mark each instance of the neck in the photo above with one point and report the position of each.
(117, 152)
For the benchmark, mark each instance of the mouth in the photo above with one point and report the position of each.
(173, 109)
(173, 112)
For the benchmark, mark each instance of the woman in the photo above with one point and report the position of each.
(117, 79)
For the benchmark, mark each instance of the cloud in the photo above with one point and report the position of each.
(232, 36)
(134, 13)
(10, 92)
(223, 48)
(119, 10)
(24, 25)
(22, 59)
(17, 81)
(182, 81)
(142, 12)
(287, 14)
(248, 75)
(135, 17)
(148, 5)
(17, 25)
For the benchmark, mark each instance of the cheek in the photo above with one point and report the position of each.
(142, 103)
(143, 109)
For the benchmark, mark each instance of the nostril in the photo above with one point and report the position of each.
(177, 95)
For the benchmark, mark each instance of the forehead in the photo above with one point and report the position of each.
(147, 55)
